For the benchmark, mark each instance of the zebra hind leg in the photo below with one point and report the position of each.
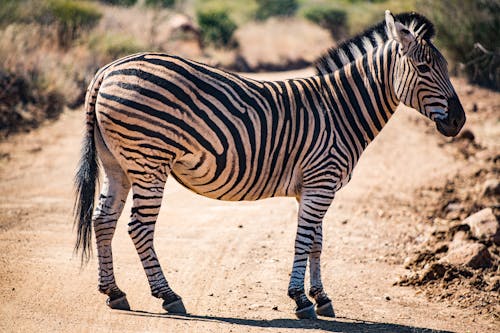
(147, 197)
(111, 201)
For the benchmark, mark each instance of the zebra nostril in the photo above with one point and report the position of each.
(455, 123)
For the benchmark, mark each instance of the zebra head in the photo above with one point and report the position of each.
(421, 78)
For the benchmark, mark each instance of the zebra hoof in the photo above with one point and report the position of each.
(306, 313)
(326, 310)
(119, 303)
(174, 307)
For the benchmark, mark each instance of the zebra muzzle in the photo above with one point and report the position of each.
(453, 123)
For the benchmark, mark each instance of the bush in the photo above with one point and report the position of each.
(112, 47)
(26, 101)
(9, 12)
(216, 27)
(126, 3)
(160, 3)
(269, 8)
(331, 19)
(72, 18)
(468, 31)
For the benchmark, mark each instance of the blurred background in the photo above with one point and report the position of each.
(50, 49)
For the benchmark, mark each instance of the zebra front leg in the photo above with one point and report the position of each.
(146, 206)
(111, 201)
(312, 207)
(324, 305)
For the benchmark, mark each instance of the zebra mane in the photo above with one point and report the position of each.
(351, 49)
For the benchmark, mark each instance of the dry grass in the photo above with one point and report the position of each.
(282, 41)
(150, 29)
(31, 48)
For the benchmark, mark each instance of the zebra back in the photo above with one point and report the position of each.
(354, 48)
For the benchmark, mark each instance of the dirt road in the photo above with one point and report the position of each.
(229, 261)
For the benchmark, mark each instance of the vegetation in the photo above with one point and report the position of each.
(26, 101)
(361, 14)
(331, 19)
(160, 3)
(468, 31)
(240, 11)
(36, 80)
(126, 3)
(269, 8)
(112, 46)
(216, 27)
(71, 18)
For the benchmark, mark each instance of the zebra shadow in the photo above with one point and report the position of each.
(339, 324)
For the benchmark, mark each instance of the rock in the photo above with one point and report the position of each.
(453, 210)
(494, 284)
(460, 236)
(440, 247)
(484, 225)
(457, 228)
(433, 272)
(491, 187)
(453, 206)
(183, 23)
(474, 255)
(419, 259)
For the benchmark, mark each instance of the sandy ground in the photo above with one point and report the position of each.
(229, 261)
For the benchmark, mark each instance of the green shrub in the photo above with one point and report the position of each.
(69, 17)
(269, 8)
(373, 1)
(331, 19)
(216, 27)
(72, 17)
(468, 31)
(9, 12)
(160, 3)
(111, 46)
(126, 3)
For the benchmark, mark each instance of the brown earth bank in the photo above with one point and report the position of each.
(231, 261)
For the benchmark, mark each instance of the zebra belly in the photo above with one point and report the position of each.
(198, 172)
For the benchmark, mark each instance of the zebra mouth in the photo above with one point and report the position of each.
(452, 123)
(447, 129)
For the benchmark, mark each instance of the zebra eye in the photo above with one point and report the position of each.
(423, 68)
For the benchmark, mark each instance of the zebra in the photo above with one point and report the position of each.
(227, 137)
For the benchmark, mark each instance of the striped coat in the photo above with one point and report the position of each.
(232, 138)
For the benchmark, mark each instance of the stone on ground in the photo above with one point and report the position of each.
(474, 255)
(484, 225)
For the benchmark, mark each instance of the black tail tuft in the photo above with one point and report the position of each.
(85, 185)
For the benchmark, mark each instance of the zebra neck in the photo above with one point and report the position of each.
(361, 95)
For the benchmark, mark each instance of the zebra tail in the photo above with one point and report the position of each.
(86, 179)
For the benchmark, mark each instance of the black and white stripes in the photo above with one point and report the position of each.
(232, 138)
(357, 46)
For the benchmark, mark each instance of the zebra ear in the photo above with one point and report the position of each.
(398, 31)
